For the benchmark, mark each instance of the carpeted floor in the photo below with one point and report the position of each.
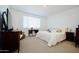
(35, 45)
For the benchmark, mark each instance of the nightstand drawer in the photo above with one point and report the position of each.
(70, 36)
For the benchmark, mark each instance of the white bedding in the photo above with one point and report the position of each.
(51, 37)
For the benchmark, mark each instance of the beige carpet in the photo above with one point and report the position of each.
(35, 45)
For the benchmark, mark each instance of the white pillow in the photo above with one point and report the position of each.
(54, 30)
(59, 30)
(49, 30)
(63, 29)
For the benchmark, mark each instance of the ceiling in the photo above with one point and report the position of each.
(43, 10)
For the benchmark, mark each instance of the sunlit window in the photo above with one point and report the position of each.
(29, 22)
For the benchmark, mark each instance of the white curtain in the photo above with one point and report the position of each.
(29, 22)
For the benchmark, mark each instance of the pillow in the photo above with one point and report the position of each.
(49, 30)
(59, 30)
(63, 29)
(54, 30)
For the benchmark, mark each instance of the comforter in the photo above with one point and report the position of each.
(51, 37)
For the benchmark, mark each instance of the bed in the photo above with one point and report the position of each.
(51, 37)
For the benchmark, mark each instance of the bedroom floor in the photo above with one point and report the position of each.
(35, 45)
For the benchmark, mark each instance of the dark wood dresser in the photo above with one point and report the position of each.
(77, 38)
(11, 41)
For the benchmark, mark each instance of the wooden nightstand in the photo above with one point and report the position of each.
(70, 36)
(77, 38)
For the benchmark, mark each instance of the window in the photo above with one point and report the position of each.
(29, 22)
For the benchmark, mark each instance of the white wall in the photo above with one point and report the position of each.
(69, 18)
(17, 17)
(3, 8)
